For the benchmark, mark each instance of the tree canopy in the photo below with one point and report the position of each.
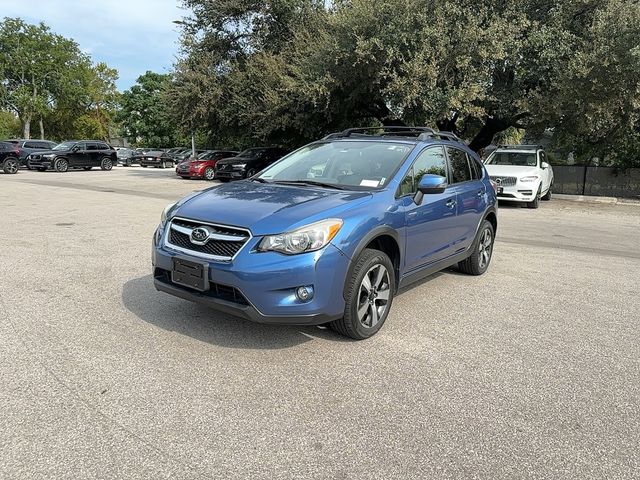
(45, 77)
(289, 71)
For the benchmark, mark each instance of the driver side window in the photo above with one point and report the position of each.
(430, 161)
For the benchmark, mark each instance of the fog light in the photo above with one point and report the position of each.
(304, 294)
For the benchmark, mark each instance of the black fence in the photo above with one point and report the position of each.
(599, 181)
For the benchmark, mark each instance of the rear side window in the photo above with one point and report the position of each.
(460, 171)
(92, 146)
(476, 169)
(103, 146)
(32, 145)
(430, 161)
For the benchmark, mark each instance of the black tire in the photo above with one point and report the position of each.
(11, 165)
(61, 165)
(481, 252)
(359, 299)
(106, 164)
(536, 201)
(547, 196)
(127, 163)
(87, 168)
(42, 169)
(251, 172)
(224, 180)
(209, 173)
(144, 166)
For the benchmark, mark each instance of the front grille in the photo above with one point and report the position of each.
(222, 250)
(216, 290)
(505, 181)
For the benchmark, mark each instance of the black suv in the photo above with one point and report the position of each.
(27, 147)
(248, 163)
(75, 154)
(9, 157)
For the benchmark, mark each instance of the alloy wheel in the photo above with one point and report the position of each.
(485, 247)
(373, 298)
(11, 166)
(209, 173)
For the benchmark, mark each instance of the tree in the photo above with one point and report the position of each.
(9, 125)
(289, 71)
(143, 113)
(37, 70)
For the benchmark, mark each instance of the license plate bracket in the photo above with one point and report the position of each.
(190, 274)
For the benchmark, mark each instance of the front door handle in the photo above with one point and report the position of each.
(450, 203)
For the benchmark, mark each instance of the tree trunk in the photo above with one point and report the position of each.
(26, 127)
(41, 128)
(484, 137)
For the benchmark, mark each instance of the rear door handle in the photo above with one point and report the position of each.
(450, 203)
(481, 192)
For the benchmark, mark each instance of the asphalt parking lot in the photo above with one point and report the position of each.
(530, 371)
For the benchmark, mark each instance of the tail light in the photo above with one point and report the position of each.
(494, 185)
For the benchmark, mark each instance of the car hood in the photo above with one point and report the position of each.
(266, 209)
(511, 170)
(234, 160)
(50, 152)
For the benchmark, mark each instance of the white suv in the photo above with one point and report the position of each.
(521, 173)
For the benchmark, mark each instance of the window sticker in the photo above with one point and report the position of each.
(369, 183)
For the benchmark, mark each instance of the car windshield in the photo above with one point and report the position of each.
(64, 146)
(353, 165)
(251, 152)
(523, 159)
(205, 155)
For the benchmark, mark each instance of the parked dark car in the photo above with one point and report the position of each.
(204, 165)
(85, 154)
(124, 156)
(248, 163)
(156, 159)
(186, 155)
(27, 147)
(9, 157)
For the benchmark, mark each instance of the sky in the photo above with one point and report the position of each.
(132, 36)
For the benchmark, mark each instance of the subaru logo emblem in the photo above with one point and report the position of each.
(199, 236)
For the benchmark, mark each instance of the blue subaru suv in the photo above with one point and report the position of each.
(329, 233)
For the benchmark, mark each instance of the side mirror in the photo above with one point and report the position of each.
(545, 165)
(430, 185)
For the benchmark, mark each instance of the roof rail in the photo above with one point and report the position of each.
(422, 133)
(520, 146)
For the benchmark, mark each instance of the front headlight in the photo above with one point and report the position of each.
(532, 178)
(305, 239)
(167, 213)
(239, 165)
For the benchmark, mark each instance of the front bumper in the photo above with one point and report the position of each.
(39, 163)
(260, 286)
(233, 174)
(518, 193)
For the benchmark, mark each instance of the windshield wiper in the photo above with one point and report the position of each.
(258, 179)
(310, 182)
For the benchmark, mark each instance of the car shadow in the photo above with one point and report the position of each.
(206, 325)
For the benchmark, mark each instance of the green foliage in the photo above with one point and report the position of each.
(143, 115)
(289, 71)
(44, 76)
(9, 125)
